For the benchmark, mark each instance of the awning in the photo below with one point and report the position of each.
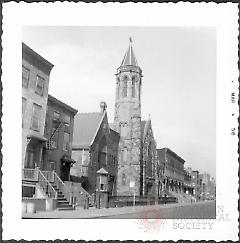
(67, 159)
(37, 137)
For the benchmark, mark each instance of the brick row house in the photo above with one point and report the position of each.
(173, 175)
(59, 132)
(47, 133)
(35, 81)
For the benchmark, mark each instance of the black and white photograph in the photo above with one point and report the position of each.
(131, 125)
(121, 122)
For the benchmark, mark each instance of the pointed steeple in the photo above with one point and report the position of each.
(129, 58)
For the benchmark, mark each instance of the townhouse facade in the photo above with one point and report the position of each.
(35, 82)
(59, 134)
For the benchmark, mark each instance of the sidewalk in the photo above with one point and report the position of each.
(96, 213)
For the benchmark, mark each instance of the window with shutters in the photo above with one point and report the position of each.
(36, 114)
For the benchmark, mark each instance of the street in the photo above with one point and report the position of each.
(196, 210)
(202, 210)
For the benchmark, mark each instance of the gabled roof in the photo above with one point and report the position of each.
(86, 126)
(111, 125)
(145, 125)
(102, 171)
(129, 58)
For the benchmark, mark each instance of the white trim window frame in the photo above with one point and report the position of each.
(36, 114)
(39, 89)
(25, 76)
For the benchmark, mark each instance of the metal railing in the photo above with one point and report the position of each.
(49, 175)
(63, 188)
(29, 174)
(46, 186)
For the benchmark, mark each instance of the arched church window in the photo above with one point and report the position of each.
(123, 179)
(118, 83)
(125, 155)
(133, 86)
(149, 159)
(139, 91)
(123, 129)
(125, 79)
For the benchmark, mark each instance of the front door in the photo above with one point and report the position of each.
(65, 171)
(31, 159)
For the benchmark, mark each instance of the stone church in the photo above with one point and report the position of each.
(137, 147)
(126, 148)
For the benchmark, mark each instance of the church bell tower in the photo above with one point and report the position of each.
(127, 122)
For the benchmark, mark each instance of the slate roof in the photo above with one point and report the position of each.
(85, 128)
(129, 58)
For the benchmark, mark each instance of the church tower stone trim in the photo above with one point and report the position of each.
(127, 122)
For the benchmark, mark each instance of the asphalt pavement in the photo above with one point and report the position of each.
(199, 210)
(205, 210)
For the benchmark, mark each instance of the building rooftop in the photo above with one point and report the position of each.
(35, 59)
(168, 150)
(85, 128)
(60, 103)
(129, 58)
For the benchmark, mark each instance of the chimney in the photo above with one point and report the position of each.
(103, 106)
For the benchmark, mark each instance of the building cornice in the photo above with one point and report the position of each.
(60, 103)
(36, 60)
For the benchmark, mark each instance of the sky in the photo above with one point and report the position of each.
(178, 85)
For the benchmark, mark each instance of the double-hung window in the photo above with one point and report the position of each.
(56, 116)
(40, 85)
(67, 120)
(25, 76)
(66, 141)
(35, 124)
(24, 102)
